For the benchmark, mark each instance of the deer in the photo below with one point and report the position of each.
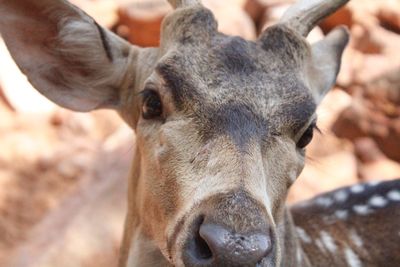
(221, 126)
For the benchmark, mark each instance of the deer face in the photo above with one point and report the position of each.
(221, 123)
(221, 129)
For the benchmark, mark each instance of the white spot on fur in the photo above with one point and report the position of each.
(320, 246)
(377, 201)
(394, 195)
(328, 241)
(342, 214)
(299, 255)
(303, 235)
(356, 239)
(374, 183)
(352, 259)
(358, 188)
(362, 209)
(324, 201)
(341, 196)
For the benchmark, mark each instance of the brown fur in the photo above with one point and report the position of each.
(377, 231)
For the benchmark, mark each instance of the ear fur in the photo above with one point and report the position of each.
(66, 55)
(325, 62)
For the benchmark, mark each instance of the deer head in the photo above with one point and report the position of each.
(221, 123)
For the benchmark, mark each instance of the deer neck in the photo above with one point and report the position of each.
(143, 252)
(292, 253)
(138, 249)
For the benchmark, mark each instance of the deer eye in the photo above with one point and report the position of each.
(307, 136)
(152, 106)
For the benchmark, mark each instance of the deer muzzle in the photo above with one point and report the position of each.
(229, 230)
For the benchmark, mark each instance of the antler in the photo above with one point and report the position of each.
(183, 3)
(305, 14)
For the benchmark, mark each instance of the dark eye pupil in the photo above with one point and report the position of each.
(306, 138)
(152, 107)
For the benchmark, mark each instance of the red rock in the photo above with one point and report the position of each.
(364, 41)
(380, 48)
(375, 113)
(140, 20)
(272, 15)
(232, 19)
(351, 123)
(352, 60)
(389, 15)
(257, 8)
(343, 16)
(373, 50)
(382, 169)
(367, 150)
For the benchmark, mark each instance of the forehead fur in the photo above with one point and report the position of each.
(240, 88)
(188, 26)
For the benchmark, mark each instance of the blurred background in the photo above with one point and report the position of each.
(63, 175)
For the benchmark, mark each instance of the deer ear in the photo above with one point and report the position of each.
(65, 54)
(325, 62)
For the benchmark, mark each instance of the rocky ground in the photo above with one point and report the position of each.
(63, 174)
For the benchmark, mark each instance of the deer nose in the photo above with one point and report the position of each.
(215, 245)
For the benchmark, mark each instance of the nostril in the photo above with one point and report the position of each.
(202, 249)
(235, 248)
(216, 245)
(216, 237)
(198, 248)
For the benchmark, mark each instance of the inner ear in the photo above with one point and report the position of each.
(87, 71)
(325, 62)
